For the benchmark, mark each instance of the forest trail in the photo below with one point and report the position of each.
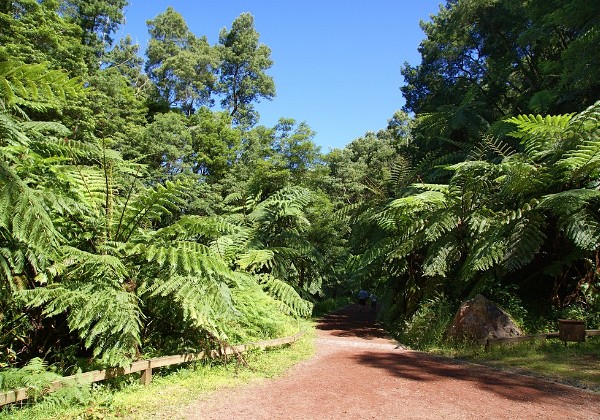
(359, 373)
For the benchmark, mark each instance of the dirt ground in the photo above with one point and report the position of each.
(359, 373)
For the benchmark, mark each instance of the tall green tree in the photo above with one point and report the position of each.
(242, 73)
(180, 64)
(485, 60)
(33, 32)
(124, 57)
(98, 20)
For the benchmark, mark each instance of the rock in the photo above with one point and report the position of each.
(480, 318)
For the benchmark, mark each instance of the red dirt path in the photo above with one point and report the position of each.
(358, 373)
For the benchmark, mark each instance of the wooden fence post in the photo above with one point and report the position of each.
(146, 377)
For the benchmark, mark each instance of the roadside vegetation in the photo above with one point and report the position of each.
(171, 388)
(575, 364)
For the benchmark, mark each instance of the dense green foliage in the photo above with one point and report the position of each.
(501, 198)
(144, 211)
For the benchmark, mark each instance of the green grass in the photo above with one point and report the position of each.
(170, 391)
(575, 364)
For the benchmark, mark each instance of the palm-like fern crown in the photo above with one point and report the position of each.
(494, 214)
(27, 233)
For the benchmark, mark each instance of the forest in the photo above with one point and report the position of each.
(144, 210)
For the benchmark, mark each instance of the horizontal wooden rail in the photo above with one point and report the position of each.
(144, 366)
(489, 342)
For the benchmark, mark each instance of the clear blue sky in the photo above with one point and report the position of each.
(336, 62)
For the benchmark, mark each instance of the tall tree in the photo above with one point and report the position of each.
(124, 57)
(180, 64)
(33, 32)
(484, 60)
(242, 77)
(98, 19)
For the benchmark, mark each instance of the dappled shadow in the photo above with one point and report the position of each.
(349, 322)
(423, 367)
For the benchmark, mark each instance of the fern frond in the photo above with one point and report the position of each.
(42, 128)
(195, 227)
(490, 144)
(285, 202)
(586, 120)
(529, 125)
(440, 223)
(584, 160)
(541, 136)
(31, 83)
(149, 205)
(441, 256)
(256, 259)
(10, 132)
(35, 376)
(229, 246)
(290, 300)
(578, 215)
(106, 317)
(485, 253)
(206, 301)
(76, 152)
(525, 239)
(183, 257)
(28, 220)
(409, 209)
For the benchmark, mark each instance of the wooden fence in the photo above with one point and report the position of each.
(490, 342)
(144, 366)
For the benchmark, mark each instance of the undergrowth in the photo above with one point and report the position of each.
(171, 387)
(575, 364)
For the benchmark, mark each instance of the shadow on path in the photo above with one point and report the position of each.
(349, 322)
(423, 368)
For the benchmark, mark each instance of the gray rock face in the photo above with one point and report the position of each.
(480, 318)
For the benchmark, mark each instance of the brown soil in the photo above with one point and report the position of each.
(359, 373)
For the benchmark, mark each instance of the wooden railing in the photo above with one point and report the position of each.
(490, 342)
(144, 366)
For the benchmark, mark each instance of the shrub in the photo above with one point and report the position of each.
(427, 326)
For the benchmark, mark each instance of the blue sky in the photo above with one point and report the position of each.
(336, 63)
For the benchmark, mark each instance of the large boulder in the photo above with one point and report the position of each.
(480, 318)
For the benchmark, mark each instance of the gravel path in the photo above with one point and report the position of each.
(359, 373)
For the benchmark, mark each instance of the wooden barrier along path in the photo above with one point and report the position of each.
(144, 366)
(489, 342)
